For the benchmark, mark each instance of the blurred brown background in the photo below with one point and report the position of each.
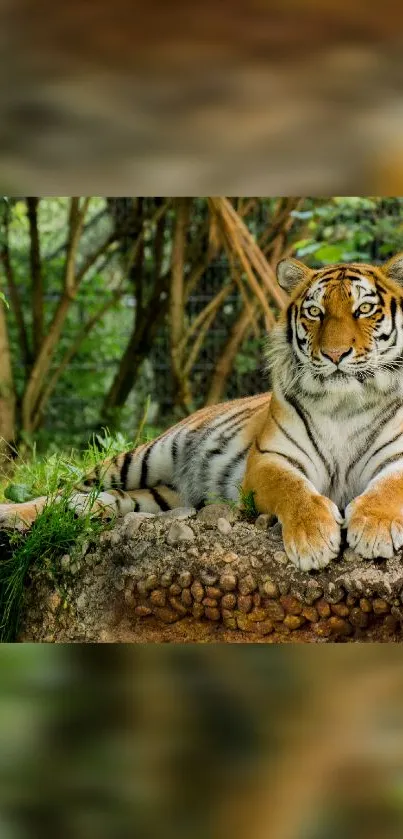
(235, 97)
(115, 742)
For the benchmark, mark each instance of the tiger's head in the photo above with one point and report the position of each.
(343, 326)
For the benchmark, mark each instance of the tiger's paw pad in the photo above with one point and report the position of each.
(313, 540)
(373, 532)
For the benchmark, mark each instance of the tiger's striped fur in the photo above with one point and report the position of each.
(323, 451)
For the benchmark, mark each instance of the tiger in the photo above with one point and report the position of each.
(322, 452)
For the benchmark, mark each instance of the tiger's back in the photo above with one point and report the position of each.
(200, 458)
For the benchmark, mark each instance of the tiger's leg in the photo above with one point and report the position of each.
(310, 521)
(107, 504)
(13, 515)
(374, 519)
(116, 502)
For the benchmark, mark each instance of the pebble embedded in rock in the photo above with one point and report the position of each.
(228, 601)
(186, 597)
(339, 626)
(211, 513)
(244, 603)
(310, 613)
(151, 581)
(212, 614)
(208, 577)
(380, 606)
(158, 597)
(293, 621)
(323, 608)
(257, 614)
(224, 526)
(197, 591)
(313, 592)
(210, 602)
(270, 588)
(322, 629)
(178, 606)
(179, 532)
(275, 610)
(291, 605)
(244, 624)
(229, 622)
(185, 579)
(340, 609)
(230, 557)
(247, 584)
(264, 627)
(213, 591)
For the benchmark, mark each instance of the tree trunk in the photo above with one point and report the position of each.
(7, 392)
(36, 274)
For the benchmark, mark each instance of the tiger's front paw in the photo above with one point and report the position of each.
(312, 534)
(374, 529)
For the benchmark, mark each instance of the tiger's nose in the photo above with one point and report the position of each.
(336, 353)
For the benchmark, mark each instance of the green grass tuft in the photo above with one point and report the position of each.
(248, 506)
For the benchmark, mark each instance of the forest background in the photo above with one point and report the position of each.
(126, 311)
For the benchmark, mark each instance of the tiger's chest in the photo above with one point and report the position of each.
(355, 448)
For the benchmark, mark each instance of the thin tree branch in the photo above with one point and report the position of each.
(36, 274)
(61, 248)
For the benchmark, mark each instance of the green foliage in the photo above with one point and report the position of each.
(351, 228)
(247, 501)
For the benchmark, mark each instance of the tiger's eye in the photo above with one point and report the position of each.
(365, 308)
(313, 311)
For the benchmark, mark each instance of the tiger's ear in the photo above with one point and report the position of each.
(394, 268)
(291, 272)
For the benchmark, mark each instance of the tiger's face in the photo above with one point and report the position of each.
(344, 323)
